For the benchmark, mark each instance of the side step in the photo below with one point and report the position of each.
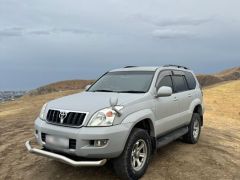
(166, 139)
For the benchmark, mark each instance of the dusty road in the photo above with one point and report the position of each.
(216, 156)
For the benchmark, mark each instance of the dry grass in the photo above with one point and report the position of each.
(223, 100)
(216, 156)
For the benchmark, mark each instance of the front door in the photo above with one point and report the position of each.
(166, 107)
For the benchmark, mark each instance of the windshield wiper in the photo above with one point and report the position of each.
(131, 91)
(103, 90)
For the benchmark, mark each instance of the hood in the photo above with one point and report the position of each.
(91, 101)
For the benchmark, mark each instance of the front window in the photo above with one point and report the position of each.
(124, 82)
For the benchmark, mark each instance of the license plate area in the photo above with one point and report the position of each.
(57, 141)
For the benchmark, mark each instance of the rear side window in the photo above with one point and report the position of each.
(190, 80)
(179, 84)
(166, 81)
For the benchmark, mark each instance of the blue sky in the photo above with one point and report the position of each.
(45, 41)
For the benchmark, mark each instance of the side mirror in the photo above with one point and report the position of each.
(87, 87)
(164, 91)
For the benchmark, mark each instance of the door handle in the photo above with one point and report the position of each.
(175, 98)
(189, 95)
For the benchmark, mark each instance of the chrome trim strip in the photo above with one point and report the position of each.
(62, 158)
(67, 110)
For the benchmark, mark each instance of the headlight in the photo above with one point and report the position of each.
(104, 117)
(42, 113)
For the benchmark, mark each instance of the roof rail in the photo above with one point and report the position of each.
(130, 66)
(173, 65)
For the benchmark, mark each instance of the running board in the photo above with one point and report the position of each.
(164, 140)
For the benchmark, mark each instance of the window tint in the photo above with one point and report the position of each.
(166, 81)
(190, 80)
(179, 83)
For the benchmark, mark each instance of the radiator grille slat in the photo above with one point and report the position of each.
(57, 117)
(68, 119)
(82, 116)
(75, 118)
(53, 116)
(72, 118)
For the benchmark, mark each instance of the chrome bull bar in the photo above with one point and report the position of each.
(62, 158)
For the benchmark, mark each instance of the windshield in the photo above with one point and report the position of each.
(124, 82)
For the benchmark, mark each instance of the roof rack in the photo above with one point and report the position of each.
(173, 65)
(130, 66)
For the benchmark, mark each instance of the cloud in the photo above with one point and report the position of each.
(172, 28)
(73, 31)
(39, 32)
(10, 32)
(170, 22)
(19, 31)
(179, 22)
(171, 34)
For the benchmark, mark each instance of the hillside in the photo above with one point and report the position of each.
(61, 86)
(226, 75)
(216, 156)
(205, 80)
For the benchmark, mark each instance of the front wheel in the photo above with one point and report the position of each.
(134, 160)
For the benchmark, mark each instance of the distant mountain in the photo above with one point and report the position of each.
(226, 75)
(61, 86)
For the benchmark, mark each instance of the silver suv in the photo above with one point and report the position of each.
(123, 117)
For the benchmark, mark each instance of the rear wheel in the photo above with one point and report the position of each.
(194, 130)
(134, 160)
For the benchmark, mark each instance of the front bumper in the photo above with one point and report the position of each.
(62, 158)
(116, 135)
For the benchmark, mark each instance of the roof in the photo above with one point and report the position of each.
(140, 68)
(148, 68)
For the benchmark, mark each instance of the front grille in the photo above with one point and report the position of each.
(71, 119)
(72, 143)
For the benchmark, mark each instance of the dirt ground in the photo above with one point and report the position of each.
(216, 156)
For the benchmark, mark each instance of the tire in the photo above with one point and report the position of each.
(194, 130)
(124, 165)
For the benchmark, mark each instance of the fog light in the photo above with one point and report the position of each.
(100, 143)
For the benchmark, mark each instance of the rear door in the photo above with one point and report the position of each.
(184, 97)
(193, 93)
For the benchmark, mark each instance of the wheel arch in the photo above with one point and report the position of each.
(147, 125)
(143, 119)
(198, 109)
